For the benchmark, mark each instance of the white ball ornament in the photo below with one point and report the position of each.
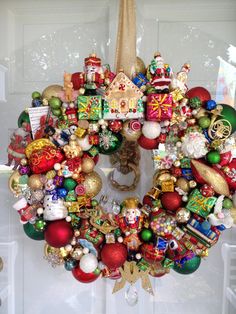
(151, 129)
(88, 263)
(84, 143)
(57, 166)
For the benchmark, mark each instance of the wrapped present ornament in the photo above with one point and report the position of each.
(90, 107)
(199, 204)
(159, 107)
(123, 100)
(140, 80)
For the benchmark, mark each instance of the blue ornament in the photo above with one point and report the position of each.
(62, 192)
(210, 105)
(70, 264)
(221, 227)
(37, 102)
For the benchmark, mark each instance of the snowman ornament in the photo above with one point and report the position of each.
(54, 208)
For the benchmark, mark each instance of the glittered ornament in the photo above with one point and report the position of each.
(69, 184)
(84, 277)
(35, 181)
(183, 184)
(151, 129)
(171, 201)
(52, 91)
(87, 165)
(213, 157)
(32, 233)
(40, 225)
(204, 122)
(55, 103)
(147, 143)
(188, 267)
(88, 263)
(182, 215)
(114, 255)
(115, 125)
(206, 174)
(109, 142)
(207, 190)
(151, 253)
(58, 233)
(92, 184)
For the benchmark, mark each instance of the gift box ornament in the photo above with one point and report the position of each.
(123, 100)
(90, 107)
(199, 204)
(159, 107)
(140, 80)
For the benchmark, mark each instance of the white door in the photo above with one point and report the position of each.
(39, 41)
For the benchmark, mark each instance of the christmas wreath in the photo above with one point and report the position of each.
(56, 148)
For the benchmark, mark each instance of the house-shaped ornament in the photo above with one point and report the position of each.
(123, 99)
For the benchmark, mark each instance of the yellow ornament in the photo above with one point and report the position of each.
(51, 174)
(212, 177)
(13, 183)
(183, 184)
(92, 184)
(35, 182)
(36, 145)
(87, 165)
(140, 66)
(52, 91)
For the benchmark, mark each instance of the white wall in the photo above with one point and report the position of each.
(41, 39)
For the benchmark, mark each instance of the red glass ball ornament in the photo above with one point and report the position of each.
(171, 201)
(147, 143)
(199, 92)
(115, 125)
(58, 233)
(207, 190)
(225, 158)
(114, 255)
(82, 276)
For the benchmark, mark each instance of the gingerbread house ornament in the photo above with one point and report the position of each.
(123, 99)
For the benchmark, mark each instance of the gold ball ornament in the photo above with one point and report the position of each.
(23, 162)
(140, 66)
(87, 165)
(200, 113)
(35, 182)
(52, 91)
(182, 215)
(183, 184)
(161, 176)
(13, 183)
(92, 184)
(130, 134)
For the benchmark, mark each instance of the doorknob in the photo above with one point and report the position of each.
(1, 264)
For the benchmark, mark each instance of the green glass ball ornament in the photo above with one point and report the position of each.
(36, 95)
(94, 203)
(55, 103)
(188, 267)
(57, 112)
(229, 113)
(213, 157)
(97, 271)
(40, 225)
(32, 233)
(109, 142)
(23, 117)
(146, 235)
(204, 122)
(69, 184)
(227, 203)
